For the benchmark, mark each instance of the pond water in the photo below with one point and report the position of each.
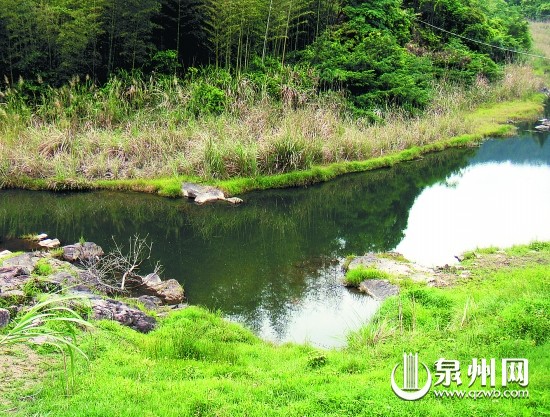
(273, 262)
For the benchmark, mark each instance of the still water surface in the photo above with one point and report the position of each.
(272, 263)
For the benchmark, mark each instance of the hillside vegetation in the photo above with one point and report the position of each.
(147, 89)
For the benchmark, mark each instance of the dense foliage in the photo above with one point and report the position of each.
(381, 52)
(534, 9)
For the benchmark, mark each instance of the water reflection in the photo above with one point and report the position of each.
(272, 262)
(490, 204)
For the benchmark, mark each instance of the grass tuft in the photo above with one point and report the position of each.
(355, 276)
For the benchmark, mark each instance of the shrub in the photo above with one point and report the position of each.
(206, 99)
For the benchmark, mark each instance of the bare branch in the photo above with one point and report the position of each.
(119, 269)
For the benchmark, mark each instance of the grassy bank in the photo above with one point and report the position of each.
(197, 364)
(259, 144)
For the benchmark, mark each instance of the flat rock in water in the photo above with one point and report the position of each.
(50, 243)
(201, 193)
(234, 200)
(191, 190)
(378, 288)
(209, 197)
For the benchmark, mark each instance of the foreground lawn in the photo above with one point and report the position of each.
(197, 364)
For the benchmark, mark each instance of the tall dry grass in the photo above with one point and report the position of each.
(541, 37)
(84, 132)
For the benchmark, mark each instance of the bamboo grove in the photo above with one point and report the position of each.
(376, 51)
(61, 38)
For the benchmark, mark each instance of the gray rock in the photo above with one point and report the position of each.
(128, 316)
(150, 302)
(543, 128)
(179, 306)
(60, 280)
(109, 309)
(86, 283)
(234, 200)
(209, 197)
(201, 193)
(169, 291)
(378, 288)
(151, 280)
(191, 190)
(81, 252)
(49, 243)
(4, 317)
(26, 260)
(43, 340)
(13, 278)
(5, 253)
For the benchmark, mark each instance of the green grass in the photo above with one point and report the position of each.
(355, 276)
(347, 261)
(197, 364)
(43, 268)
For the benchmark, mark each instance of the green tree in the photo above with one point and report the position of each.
(129, 26)
(365, 56)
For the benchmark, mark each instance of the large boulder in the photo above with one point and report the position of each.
(201, 193)
(209, 197)
(191, 190)
(169, 291)
(82, 251)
